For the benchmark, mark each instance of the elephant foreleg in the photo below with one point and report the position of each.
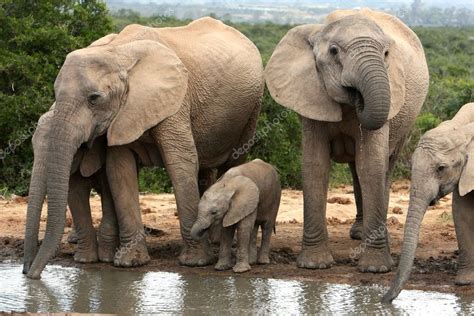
(244, 235)
(225, 248)
(78, 200)
(463, 215)
(315, 252)
(178, 151)
(123, 182)
(357, 229)
(372, 164)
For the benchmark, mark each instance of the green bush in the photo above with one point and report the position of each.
(35, 37)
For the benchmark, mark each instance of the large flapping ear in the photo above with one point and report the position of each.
(396, 77)
(466, 182)
(94, 158)
(244, 201)
(157, 85)
(400, 51)
(293, 79)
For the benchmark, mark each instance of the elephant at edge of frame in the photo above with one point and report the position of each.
(358, 81)
(195, 90)
(443, 162)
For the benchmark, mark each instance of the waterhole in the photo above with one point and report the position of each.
(65, 289)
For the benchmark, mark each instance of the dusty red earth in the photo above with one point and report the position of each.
(435, 266)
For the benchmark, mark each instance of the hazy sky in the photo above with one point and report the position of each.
(466, 3)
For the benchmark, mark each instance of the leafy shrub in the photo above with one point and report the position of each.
(35, 37)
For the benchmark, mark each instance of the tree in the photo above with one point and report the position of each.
(35, 37)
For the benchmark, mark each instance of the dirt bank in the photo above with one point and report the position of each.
(436, 254)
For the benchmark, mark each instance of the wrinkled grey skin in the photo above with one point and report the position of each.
(442, 163)
(358, 82)
(246, 198)
(161, 83)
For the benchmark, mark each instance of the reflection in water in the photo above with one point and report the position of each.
(126, 292)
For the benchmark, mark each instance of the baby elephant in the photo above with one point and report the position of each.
(443, 162)
(246, 197)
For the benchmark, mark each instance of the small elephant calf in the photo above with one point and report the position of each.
(245, 198)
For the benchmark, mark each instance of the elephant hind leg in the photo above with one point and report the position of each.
(253, 245)
(78, 200)
(264, 253)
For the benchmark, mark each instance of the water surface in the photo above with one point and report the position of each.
(63, 289)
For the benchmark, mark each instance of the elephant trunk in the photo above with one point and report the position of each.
(64, 139)
(370, 78)
(199, 229)
(415, 215)
(37, 192)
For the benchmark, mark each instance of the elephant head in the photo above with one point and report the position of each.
(351, 60)
(229, 200)
(117, 88)
(442, 162)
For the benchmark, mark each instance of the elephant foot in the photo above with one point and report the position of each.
(132, 254)
(196, 255)
(357, 230)
(84, 256)
(465, 277)
(375, 260)
(263, 259)
(107, 251)
(241, 267)
(223, 264)
(315, 258)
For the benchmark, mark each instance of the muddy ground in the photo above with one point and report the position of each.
(435, 266)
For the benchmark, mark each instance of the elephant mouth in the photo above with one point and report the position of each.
(355, 98)
(200, 234)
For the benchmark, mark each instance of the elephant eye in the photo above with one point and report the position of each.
(386, 53)
(333, 50)
(441, 168)
(214, 212)
(93, 98)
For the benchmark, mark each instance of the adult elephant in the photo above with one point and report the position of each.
(443, 162)
(358, 82)
(195, 91)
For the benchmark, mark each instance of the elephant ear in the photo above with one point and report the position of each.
(396, 61)
(157, 85)
(94, 158)
(244, 201)
(293, 79)
(466, 182)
